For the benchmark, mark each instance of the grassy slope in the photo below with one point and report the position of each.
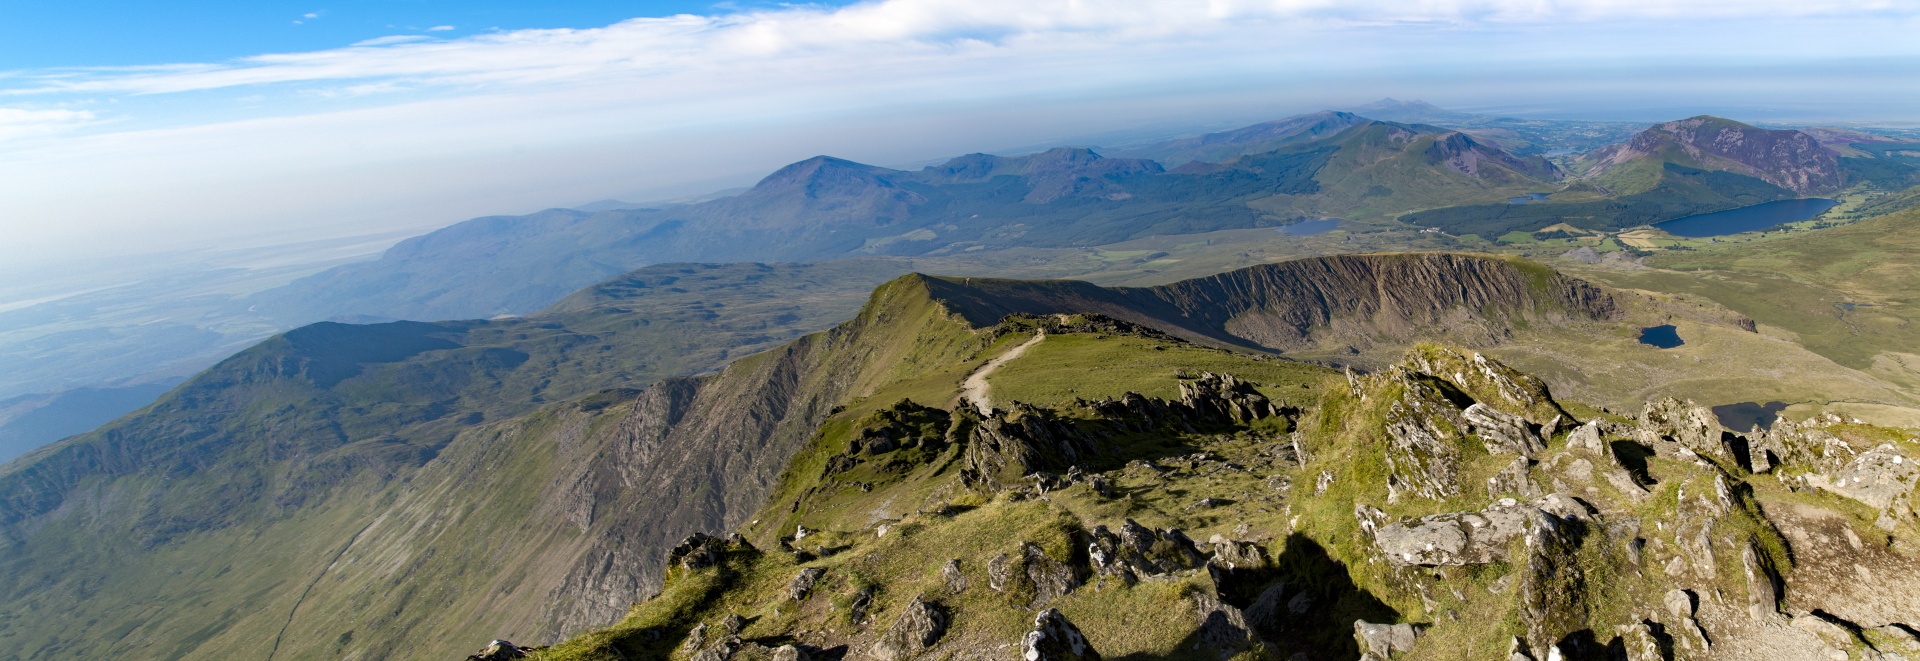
(1466, 612)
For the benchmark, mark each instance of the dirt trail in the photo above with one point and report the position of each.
(974, 389)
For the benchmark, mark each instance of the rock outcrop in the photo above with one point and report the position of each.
(1054, 638)
(919, 626)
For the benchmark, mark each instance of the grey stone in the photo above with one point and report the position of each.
(1383, 640)
(918, 627)
(1502, 432)
(1586, 438)
(1763, 593)
(1883, 478)
(802, 583)
(1680, 603)
(1517, 650)
(790, 653)
(1469, 538)
(1054, 638)
(1223, 628)
(1639, 642)
(1513, 480)
(955, 579)
(733, 623)
(857, 607)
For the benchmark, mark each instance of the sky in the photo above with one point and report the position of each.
(136, 127)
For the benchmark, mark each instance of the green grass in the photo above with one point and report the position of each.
(1062, 368)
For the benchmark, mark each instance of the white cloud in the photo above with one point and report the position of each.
(440, 28)
(21, 122)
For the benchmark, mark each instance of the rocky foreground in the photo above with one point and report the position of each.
(1447, 507)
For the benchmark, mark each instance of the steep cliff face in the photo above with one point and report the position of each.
(1303, 303)
(1789, 159)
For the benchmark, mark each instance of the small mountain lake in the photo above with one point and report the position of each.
(1664, 337)
(1748, 219)
(1310, 227)
(1529, 198)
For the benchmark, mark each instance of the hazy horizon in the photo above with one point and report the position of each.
(435, 121)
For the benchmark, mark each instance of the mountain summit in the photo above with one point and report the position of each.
(1789, 159)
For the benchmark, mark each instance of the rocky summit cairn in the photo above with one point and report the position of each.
(1053, 638)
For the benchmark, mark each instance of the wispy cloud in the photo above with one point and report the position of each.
(891, 28)
(19, 122)
(440, 28)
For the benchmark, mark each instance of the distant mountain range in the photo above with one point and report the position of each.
(826, 208)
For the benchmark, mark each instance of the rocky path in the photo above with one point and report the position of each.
(974, 389)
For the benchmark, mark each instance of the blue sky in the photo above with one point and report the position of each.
(93, 33)
(130, 127)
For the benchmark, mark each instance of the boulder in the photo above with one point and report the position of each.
(1587, 438)
(791, 653)
(1685, 424)
(1550, 580)
(1517, 650)
(1223, 628)
(500, 650)
(1031, 578)
(1137, 551)
(1456, 538)
(1054, 638)
(1838, 639)
(1883, 478)
(857, 607)
(802, 583)
(1383, 640)
(956, 580)
(1514, 480)
(919, 626)
(733, 623)
(697, 551)
(1502, 432)
(1763, 587)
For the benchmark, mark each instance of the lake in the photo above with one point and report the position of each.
(1747, 219)
(1529, 198)
(1310, 227)
(1664, 337)
(1747, 415)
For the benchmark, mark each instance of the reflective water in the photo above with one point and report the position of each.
(1748, 219)
(1747, 415)
(1529, 198)
(1664, 337)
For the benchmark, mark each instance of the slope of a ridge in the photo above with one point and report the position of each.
(1256, 139)
(330, 485)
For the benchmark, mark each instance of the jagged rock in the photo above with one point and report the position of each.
(697, 551)
(1224, 396)
(1477, 372)
(956, 580)
(1468, 538)
(1679, 603)
(1264, 613)
(1689, 425)
(696, 638)
(1587, 438)
(1694, 520)
(1031, 576)
(1639, 642)
(1513, 480)
(919, 626)
(1223, 628)
(1763, 591)
(720, 651)
(857, 607)
(1517, 650)
(1054, 638)
(1838, 639)
(1550, 581)
(1233, 554)
(791, 653)
(1503, 433)
(500, 650)
(802, 583)
(1623, 482)
(1382, 640)
(1883, 478)
(1422, 460)
(1140, 551)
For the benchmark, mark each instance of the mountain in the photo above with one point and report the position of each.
(826, 208)
(1792, 160)
(1415, 111)
(1256, 139)
(378, 490)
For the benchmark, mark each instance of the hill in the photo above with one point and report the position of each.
(1792, 160)
(343, 490)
